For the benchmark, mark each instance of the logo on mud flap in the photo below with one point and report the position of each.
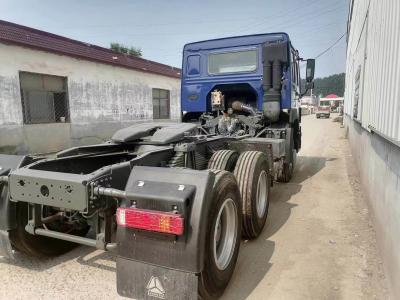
(155, 288)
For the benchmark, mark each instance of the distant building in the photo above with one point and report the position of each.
(309, 100)
(308, 104)
(334, 101)
(372, 118)
(57, 92)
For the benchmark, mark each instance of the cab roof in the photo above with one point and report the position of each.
(244, 40)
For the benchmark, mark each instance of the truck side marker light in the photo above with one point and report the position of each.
(150, 220)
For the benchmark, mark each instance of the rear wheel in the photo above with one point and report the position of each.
(223, 160)
(222, 236)
(35, 245)
(254, 180)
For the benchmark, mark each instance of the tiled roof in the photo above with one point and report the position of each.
(11, 33)
(332, 96)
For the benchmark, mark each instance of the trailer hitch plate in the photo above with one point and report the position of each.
(49, 188)
(143, 281)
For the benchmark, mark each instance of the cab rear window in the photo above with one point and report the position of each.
(232, 62)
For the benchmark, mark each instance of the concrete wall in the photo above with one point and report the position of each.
(378, 161)
(102, 99)
(372, 107)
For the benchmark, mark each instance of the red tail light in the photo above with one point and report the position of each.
(150, 220)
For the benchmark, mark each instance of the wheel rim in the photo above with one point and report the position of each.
(225, 234)
(262, 193)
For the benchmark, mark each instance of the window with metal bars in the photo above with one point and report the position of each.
(44, 98)
(161, 104)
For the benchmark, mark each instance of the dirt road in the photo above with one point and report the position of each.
(319, 242)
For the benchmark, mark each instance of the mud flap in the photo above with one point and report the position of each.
(153, 265)
(5, 245)
(7, 208)
(153, 282)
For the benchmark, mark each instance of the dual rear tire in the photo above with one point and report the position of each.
(223, 160)
(251, 170)
(222, 236)
(239, 207)
(253, 176)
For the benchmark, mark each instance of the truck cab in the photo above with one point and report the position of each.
(255, 69)
(246, 85)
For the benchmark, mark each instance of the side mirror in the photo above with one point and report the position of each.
(310, 70)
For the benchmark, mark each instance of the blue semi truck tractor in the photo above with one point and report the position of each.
(171, 200)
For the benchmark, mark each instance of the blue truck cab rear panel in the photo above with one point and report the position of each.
(198, 80)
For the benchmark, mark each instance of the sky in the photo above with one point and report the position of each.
(162, 27)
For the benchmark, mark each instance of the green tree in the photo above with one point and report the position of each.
(333, 84)
(117, 47)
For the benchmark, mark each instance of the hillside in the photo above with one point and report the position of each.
(333, 84)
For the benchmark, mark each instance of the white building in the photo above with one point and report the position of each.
(56, 92)
(309, 100)
(332, 100)
(372, 118)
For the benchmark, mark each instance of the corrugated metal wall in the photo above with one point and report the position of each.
(374, 49)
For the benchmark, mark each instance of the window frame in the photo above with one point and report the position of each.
(25, 101)
(233, 51)
(159, 98)
(188, 64)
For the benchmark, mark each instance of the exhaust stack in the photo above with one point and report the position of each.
(275, 57)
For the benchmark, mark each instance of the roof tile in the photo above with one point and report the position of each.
(11, 33)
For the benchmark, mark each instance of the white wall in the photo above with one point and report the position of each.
(374, 43)
(102, 98)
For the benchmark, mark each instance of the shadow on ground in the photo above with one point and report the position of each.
(254, 257)
(252, 265)
(43, 264)
(307, 167)
(97, 260)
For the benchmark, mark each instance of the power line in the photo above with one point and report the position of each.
(268, 18)
(331, 46)
(296, 17)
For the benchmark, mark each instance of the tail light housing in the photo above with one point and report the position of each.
(150, 220)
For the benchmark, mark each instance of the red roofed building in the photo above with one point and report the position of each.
(334, 101)
(331, 96)
(56, 92)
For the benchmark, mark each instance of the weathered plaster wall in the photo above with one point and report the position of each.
(102, 99)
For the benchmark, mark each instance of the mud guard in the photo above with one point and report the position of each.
(139, 280)
(7, 207)
(154, 265)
